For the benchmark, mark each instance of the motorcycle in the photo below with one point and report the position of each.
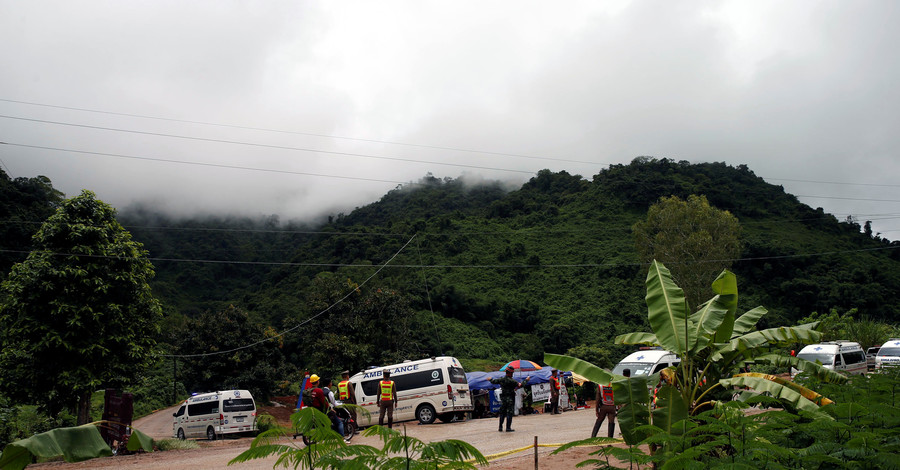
(337, 413)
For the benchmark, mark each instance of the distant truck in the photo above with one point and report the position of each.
(427, 389)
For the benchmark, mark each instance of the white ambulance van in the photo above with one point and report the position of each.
(215, 414)
(846, 357)
(889, 354)
(426, 389)
(646, 362)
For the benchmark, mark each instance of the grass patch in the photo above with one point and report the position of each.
(176, 444)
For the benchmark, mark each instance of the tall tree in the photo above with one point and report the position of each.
(78, 313)
(695, 240)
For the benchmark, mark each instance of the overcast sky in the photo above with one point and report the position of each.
(341, 101)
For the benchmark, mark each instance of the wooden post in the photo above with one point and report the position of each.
(535, 454)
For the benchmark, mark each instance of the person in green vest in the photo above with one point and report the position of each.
(387, 399)
(508, 386)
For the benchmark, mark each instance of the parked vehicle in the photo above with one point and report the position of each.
(646, 362)
(846, 357)
(215, 414)
(427, 389)
(870, 357)
(889, 354)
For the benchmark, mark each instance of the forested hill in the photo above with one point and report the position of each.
(546, 267)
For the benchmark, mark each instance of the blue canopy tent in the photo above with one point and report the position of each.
(479, 382)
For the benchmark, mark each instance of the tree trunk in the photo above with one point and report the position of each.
(84, 408)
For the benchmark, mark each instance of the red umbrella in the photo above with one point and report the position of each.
(521, 365)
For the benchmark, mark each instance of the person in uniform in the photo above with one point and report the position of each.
(508, 386)
(347, 394)
(554, 392)
(606, 407)
(387, 399)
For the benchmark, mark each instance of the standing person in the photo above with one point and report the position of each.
(387, 399)
(554, 392)
(606, 407)
(508, 387)
(347, 394)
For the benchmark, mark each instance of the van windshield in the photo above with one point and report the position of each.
(889, 351)
(636, 368)
(825, 358)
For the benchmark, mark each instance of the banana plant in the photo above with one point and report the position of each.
(713, 344)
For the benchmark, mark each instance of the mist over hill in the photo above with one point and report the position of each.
(483, 271)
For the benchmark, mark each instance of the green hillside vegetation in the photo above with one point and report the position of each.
(486, 273)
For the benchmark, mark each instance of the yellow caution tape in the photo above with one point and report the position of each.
(510, 452)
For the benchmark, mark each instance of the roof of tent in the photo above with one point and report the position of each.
(481, 380)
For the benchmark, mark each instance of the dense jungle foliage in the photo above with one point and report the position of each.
(479, 271)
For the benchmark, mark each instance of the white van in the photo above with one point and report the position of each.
(646, 362)
(426, 389)
(846, 357)
(889, 354)
(214, 414)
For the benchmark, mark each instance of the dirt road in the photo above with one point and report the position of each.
(481, 433)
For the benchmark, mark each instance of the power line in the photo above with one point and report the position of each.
(310, 134)
(437, 147)
(339, 301)
(254, 144)
(218, 165)
(463, 266)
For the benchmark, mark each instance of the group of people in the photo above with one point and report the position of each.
(606, 408)
(323, 398)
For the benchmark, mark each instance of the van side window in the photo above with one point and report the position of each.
(854, 357)
(205, 408)
(425, 378)
(180, 411)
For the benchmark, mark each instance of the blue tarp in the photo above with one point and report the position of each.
(481, 380)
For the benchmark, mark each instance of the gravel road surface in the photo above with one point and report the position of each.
(481, 433)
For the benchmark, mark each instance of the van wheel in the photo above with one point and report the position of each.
(181, 434)
(426, 414)
(211, 433)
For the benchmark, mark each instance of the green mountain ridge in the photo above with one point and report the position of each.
(479, 271)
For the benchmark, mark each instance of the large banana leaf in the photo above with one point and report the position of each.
(764, 383)
(726, 287)
(73, 444)
(772, 336)
(810, 368)
(670, 409)
(632, 393)
(747, 322)
(707, 320)
(637, 338)
(583, 368)
(810, 395)
(139, 441)
(667, 311)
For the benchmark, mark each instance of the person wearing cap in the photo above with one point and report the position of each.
(554, 392)
(319, 401)
(387, 399)
(346, 393)
(508, 386)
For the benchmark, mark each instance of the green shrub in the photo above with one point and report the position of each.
(265, 421)
(176, 444)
